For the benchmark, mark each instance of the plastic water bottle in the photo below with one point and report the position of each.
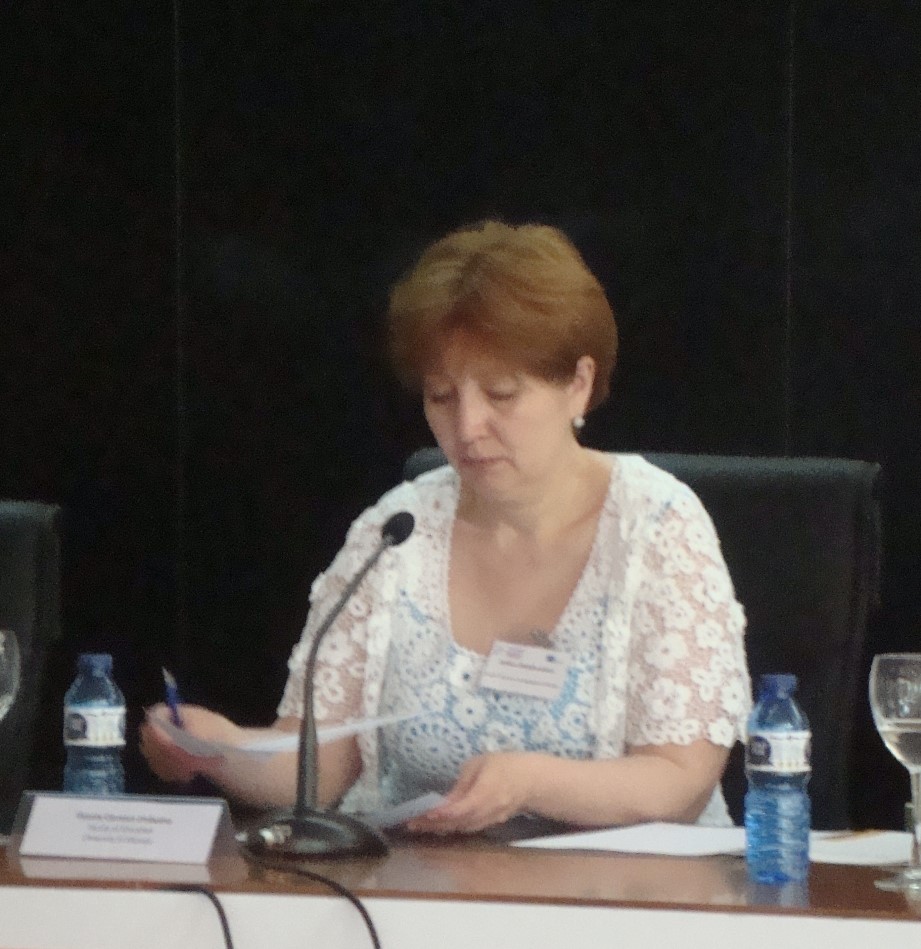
(94, 729)
(777, 811)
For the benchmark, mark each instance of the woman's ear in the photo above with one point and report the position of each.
(582, 384)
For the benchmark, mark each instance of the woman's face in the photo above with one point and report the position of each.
(502, 429)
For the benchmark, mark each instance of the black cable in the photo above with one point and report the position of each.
(215, 902)
(285, 866)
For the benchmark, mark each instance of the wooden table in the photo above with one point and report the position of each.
(437, 895)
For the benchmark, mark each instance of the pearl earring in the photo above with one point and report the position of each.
(578, 423)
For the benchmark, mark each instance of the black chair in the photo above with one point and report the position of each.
(30, 606)
(801, 538)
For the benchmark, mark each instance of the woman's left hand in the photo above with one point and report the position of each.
(490, 789)
(660, 782)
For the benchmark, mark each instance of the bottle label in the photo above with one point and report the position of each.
(779, 752)
(89, 726)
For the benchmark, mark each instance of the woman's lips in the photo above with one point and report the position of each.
(479, 462)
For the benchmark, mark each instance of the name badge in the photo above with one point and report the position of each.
(525, 670)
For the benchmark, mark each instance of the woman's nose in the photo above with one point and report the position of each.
(472, 414)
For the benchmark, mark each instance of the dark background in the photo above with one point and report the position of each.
(206, 203)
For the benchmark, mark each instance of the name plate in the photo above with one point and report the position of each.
(129, 827)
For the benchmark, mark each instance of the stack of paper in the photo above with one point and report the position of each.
(866, 848)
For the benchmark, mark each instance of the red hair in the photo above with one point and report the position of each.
(524, 292)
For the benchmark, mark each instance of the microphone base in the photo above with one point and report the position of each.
(311, 835)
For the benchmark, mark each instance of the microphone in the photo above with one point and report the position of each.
(304, 830)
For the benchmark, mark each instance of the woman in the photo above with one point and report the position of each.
(608, 568)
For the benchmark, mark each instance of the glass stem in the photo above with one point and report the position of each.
(915, 863)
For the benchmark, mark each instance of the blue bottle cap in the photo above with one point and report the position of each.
(780, 683)
(95, 663)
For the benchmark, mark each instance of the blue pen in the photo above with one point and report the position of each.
(172, 697)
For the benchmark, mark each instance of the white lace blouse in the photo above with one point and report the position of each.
(652, 632)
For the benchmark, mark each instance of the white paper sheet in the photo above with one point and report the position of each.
(867, 848)
(400, 813)
(864, 848)
(266, 742)
(680, 840)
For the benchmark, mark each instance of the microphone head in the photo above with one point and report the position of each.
(398, 528)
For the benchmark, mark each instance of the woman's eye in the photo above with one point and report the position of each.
(438, 398)
(502, 395)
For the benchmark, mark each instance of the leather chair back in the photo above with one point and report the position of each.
(801, 538)
(29, 606)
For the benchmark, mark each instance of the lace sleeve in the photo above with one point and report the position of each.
(688, 677)
(341, 660)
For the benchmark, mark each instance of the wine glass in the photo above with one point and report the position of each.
(9, 670)
(895, 699)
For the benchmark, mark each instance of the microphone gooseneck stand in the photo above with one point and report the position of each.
(305, 830)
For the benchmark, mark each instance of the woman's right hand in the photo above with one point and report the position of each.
(166, 759)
